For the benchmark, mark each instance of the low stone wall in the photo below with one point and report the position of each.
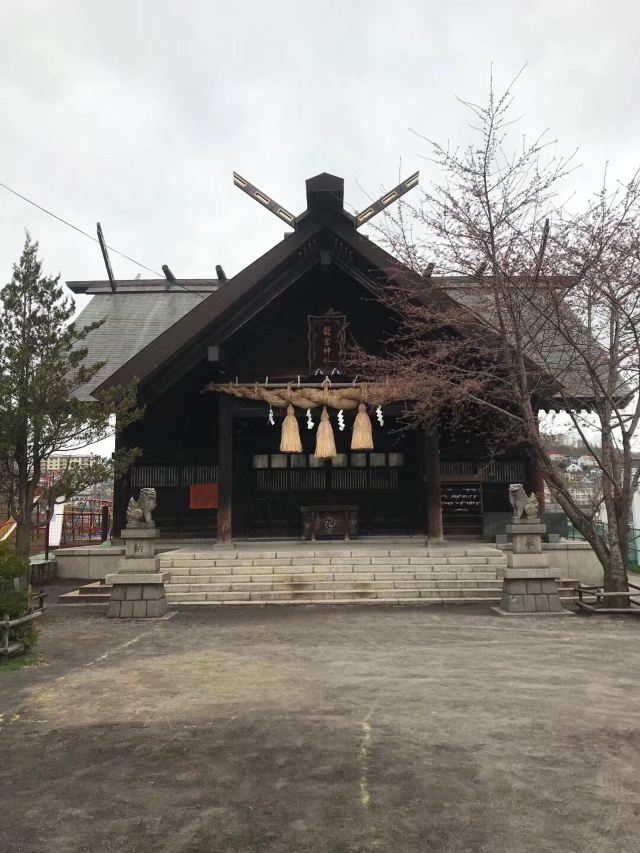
(91, 562)
(575, 560)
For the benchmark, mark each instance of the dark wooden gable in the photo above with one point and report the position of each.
(325, 240)
(275, 342)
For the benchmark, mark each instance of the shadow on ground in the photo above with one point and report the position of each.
(327, 730)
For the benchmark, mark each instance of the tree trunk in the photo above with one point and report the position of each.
(615, 579)
(23, 537)
(23, 549)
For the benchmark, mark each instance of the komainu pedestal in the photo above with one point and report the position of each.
(138, 587)
(137, 596)
(529, 591)
(528, 585)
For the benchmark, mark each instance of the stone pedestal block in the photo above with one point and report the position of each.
(137, 595)
(527, 561)
(529, 585)
(126, 565)
(527, 545)
(139, 542)
(527, 536)
(528, 592)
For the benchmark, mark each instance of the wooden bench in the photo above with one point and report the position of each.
(598, 599)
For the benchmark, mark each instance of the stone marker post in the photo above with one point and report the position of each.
(529, 585)
(138, 588)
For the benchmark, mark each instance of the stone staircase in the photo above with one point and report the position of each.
(330, 574)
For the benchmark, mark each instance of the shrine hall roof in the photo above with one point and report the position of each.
(133, 316)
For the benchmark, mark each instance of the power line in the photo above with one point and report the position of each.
(95, 239)
(75, 228)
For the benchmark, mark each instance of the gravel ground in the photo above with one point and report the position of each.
(323, 729)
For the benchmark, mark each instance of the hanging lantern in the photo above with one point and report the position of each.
(290, 438)
(362, 438)
(325, 442)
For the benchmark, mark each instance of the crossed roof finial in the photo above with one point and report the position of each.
(360, 218)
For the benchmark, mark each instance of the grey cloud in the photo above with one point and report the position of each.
(136, 113)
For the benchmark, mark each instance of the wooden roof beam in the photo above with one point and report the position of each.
(388, 198)
(265, 200)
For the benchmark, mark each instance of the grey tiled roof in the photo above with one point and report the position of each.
(555, 349)
(133, 316)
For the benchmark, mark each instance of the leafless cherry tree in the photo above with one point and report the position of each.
(535, 307)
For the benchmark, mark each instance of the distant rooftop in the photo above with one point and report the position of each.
(133, 316)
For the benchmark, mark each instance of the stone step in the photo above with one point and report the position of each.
(295, 587)
(496, 559)
(77, 596)
(303, 553)
(345, 578)
(211, 571)
(336, 594)
(346, 601)
(334, 574)
(97, 592)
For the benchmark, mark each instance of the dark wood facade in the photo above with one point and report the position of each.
(257, 327)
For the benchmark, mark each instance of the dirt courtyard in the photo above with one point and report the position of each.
(323, 729)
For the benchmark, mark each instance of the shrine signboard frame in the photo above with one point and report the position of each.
(327, 341)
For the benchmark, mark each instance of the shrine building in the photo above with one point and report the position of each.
(220, 365)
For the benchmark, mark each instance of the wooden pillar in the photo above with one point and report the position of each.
(225, 466)
(120, 492)
(432, 486)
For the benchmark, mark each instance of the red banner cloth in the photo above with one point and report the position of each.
(203, 496)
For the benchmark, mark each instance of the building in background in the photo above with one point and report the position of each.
(60, 461)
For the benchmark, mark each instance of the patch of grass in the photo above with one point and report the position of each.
(22, 662)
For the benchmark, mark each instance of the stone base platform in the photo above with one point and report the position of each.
(137, 595)
(530, 592)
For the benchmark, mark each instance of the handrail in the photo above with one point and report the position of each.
(11, 623)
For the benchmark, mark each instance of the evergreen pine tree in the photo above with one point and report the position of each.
(41, 366)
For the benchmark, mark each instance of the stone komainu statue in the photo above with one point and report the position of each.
(524, 506)
(139, 512)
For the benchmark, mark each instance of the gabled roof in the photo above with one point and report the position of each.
(151, 324)
(136, 314)
(322, 225)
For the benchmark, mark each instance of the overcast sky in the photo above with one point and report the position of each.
(137, 113)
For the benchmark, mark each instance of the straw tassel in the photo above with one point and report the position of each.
(362, 438)
(325, 442)
(290, 439)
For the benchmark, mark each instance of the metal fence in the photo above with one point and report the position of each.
(603, 532)
(86, 525)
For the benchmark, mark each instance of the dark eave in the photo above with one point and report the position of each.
(190, 327)
(220, 314)
(146, 285)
